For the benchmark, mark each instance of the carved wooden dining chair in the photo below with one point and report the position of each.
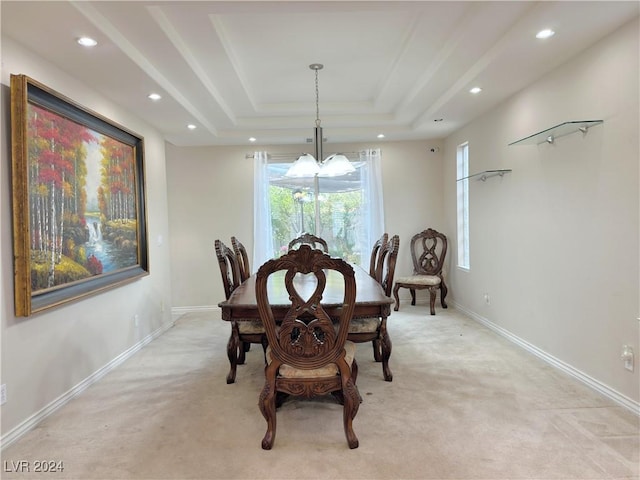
(245, 272)
(308, 354)
(244, 332)
(309, 239)
(374, 329)
(428, 251)
(243, 258)
(375, 253)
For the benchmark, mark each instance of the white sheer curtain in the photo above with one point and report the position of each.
(372, 210)
(373, 204)
(262, 237)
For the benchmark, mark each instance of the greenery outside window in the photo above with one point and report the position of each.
(343, 210)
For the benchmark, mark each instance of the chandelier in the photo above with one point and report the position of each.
(308, 165)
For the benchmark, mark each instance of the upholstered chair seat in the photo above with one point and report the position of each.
(308, 353)
(419, 280)
(364, 325)
(330, 370)
(248, 327)
(428, 252)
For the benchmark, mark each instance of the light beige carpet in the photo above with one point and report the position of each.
(464, 404)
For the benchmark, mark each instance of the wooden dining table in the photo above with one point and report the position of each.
(371, 300)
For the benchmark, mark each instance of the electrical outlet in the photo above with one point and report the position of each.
(627, 357)
(487, 300)
(136, 320)
(3, 394)
(162, 306)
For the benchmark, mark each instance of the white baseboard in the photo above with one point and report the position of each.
(600, 387)
(15, 433)
(177, 312)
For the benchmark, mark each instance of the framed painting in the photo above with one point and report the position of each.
(79, 216)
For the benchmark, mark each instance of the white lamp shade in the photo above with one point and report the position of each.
(305, 166)
(336, 166)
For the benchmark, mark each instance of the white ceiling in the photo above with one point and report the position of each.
(241, 69)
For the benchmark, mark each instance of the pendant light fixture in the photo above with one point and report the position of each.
(308, 165)
(304, 166)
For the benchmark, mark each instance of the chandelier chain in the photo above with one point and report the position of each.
(317, 101)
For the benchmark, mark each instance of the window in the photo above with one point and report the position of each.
(463, 205)
(346, 211)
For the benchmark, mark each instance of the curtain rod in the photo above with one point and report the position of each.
(296, 155)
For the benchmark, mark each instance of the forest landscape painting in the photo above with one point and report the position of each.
(78, 200)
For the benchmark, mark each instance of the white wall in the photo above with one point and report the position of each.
(46, 355)
(555, 243)
(211, 196)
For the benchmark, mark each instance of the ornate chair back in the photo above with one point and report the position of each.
(308, 351)
(309, 239)
(388, 258)
(243, 258)
(375, 250)
(229, 268)
(428, 251)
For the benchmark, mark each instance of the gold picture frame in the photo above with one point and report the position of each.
(79, 208)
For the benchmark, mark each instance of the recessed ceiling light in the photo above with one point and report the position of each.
(252, 139)
(191, 126)
(475, 90)
(87, 42)
(546, 33)
(154, 96)
(381, 135)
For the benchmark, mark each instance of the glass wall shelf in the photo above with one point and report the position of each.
(486, 174)
(550, 134)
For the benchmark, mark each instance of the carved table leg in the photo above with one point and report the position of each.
(396, 287)
(232, 352)
(385, 344)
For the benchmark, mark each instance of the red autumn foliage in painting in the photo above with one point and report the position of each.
(57, 176)
(94, 265)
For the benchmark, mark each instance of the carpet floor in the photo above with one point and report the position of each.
(464, 404)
